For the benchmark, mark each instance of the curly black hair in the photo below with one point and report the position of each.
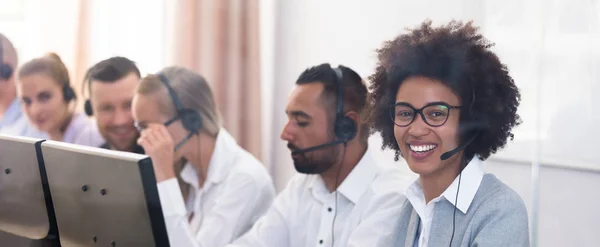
(458, 56)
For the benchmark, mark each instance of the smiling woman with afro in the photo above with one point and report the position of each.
(445, 102)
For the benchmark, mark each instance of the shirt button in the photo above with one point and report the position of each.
(321, 241)
(329, 209)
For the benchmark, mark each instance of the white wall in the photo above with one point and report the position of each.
(552, 56)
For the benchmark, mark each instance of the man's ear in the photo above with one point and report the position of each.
(354, 116)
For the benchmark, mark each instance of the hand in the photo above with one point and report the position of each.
(158, 144)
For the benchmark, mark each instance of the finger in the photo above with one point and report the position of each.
(152, 136)
(161, 133)
(164, 134)
(144, 142)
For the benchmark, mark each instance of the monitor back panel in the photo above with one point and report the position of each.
(23, 209)
(103, 197)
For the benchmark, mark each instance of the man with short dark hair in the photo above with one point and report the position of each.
(342, 196)
(111, 85)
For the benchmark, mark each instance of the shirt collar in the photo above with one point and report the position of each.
(357, 182)
(220, 161)
(360, 178)
(12, 114)
(470, 179)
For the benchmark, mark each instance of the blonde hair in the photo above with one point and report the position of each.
(50, 65)
(192, 90)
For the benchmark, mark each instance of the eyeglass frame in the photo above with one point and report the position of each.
(166, 124)
(420, 112)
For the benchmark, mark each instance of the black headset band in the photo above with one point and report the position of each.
(178, 106)
(340, 93)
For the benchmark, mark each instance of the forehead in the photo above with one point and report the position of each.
(146, 108)
(307, 98)
(419, 91)
(36, 83)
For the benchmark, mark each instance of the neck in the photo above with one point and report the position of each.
(434, 185)
(59, 133)
(56, 135)
(6, 98)
(339, 171)
(199, 153)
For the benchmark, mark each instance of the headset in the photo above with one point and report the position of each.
(68, 93)
(190, 119)
(6, 70)
(345, 129)
(87, 104)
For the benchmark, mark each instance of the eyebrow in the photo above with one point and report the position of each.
(298, 114)
(428, 104)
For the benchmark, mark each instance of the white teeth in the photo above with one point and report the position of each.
(422, 148)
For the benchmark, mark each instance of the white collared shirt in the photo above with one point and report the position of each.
(238, 190)
(470, 179)
(303, 213)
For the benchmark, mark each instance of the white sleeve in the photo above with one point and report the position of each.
(271, 230)
(382, 211)
(234, 212)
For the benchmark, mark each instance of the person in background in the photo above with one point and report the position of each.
(111, 84)
(342, 196)
(12, 120)
(222, 189)
(48, 100)
(445, 103)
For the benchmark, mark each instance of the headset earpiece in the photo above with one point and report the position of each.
(345, 128)
(68, 93)
(191, 120)
(6, 70)
(87, 107)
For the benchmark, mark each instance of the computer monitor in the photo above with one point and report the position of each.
(25, 200)
(103, 197)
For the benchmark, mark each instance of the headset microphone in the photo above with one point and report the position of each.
(465, 128)
(180, 144)
(310, 149)
(449, 154)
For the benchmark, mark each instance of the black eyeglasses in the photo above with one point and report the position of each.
(433, 114)
(166, 124)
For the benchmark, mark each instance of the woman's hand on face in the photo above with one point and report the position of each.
(158, 144)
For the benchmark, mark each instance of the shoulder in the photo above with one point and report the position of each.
(387, 189)
(499, 217)
(495, 200)
(245, 166)
(298, 186)
(496, 194)
(392, 179)
(86, 132)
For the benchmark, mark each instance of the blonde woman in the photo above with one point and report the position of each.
(223, 189)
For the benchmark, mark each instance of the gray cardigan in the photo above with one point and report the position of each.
(496, 217)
